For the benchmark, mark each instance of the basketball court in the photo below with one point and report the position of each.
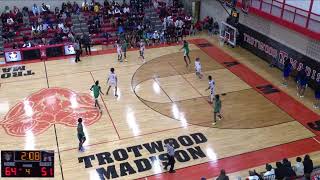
(158, 100)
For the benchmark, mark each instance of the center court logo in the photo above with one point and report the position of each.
(39, 111)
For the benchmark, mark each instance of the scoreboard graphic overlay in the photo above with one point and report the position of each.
(27, 163)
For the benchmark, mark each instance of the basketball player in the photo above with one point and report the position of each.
(142, 47)
(124, 49)
(119, 51)
(317, 95)
(197, 66)
(211, 87)
(286, 72)
(112, 81)
(96, 92)
(217, 109)
(81, 136)
(302, 83)
(186, 52)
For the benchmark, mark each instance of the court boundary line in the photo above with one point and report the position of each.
(54, 125)
(105, 106)
(316, 139)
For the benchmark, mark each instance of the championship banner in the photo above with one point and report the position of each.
(13, 56)
(276, 53)
(69, 49)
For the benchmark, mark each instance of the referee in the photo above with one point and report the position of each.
(171, 160)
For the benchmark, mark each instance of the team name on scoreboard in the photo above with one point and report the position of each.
(186, 149)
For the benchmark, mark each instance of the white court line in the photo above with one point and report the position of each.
(316, 140)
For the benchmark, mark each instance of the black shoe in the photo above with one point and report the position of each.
(165, 168)
(173, 171)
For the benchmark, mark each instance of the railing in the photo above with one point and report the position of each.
(301, 20)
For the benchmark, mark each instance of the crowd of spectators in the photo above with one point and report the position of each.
(284, 170)
(110, 21)
(40, 25)
(302, 169)
(127, 22)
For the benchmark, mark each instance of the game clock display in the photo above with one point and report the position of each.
(27, 163)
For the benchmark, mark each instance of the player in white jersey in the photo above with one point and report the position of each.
(197, 66)
(211, 87)
(119, 51)
(112, 81)
(142, 47)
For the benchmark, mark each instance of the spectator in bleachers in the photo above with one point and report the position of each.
(75, 8)
(6, 10)
(8, 34)
(56, 11)
(179, 23)
(222, 175)
(116, 11)
(308, 166)
(65, 30)
(162, 37)
(35, 10)
(298, 167)
(10, 21)
(25, 17)
(286, 162)
(269, 174)
(253, 176)
(156, 37)
(44, 41)
(15, 10)
(96, 8)
(35, 29)
(126, 9)
(106, 3)
(71, 37)
(60, 25)
(85, 5)
(15, 45)
(45, 8)
(27, 44)
(288, 168)
(280, 171)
